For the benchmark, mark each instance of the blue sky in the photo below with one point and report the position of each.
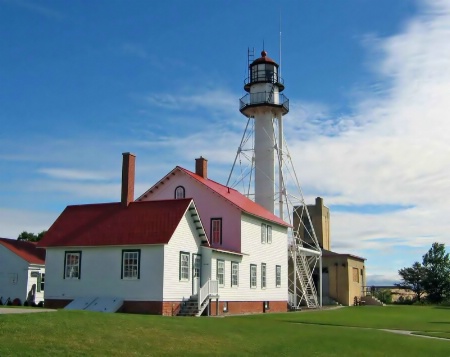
(368, 83)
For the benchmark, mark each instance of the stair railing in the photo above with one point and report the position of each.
(211, 287)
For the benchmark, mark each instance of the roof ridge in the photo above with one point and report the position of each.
(218, 183)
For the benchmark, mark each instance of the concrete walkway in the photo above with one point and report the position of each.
(398, 332)
(18, 310)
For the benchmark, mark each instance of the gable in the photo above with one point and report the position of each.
(227, 194)
(151, 222)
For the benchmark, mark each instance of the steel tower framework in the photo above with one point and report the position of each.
(303, 247)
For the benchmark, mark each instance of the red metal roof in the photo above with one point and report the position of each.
(264, 59)
(24, 249)
(238, 199)
(149, 222)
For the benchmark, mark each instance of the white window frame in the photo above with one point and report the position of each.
(234, 274)
(278, 276)
(131, 261)
(269, 234)
(263, 275)
(220, 272)
(263, 233)
(253, 276)
(184, 266)
(72, 265)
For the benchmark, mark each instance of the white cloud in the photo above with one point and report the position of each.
(73, 174)
(396, 148)
(215, 100)
(14, 221)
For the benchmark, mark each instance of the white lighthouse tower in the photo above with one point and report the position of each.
(269, 171)
(265, 103)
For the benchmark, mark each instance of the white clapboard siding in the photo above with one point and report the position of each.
(185, 239)
(13, 275)
(256, 253)
(101, 274)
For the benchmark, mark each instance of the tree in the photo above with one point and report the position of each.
(31, 237)
(437, 273)
(384, 295)
(413, 279)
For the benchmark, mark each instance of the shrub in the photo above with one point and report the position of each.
(384, 295)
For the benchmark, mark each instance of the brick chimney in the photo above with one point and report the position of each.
(128, 167)
(201, 167)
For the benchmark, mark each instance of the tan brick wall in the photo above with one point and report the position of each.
(320, 219)
(342, 288)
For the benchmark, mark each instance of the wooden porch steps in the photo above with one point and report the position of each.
(190, 307)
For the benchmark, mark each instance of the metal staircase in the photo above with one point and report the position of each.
(303, 275)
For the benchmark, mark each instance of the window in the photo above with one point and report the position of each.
(40, 282)
(197, 263)
(130, 264)
(184, 266)
(253, 273)
(266, 233)
(220, 273)
(278, 276)
(355, 275)
(72, 265)
(179, 192)
(269, 234)
(263, 233)
(263, 275)
(234, 274)
(216, 230)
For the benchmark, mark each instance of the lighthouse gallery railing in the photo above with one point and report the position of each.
(264, 98)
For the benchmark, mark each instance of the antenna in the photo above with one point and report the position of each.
(279, 68)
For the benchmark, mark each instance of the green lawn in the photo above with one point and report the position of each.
(325, 333)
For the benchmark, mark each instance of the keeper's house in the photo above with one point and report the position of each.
(188, 245)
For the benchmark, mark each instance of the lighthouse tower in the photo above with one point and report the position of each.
(270, 172)
(265, 103)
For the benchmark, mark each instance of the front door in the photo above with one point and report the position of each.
(196, 271)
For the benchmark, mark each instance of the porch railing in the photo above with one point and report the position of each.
(211, 287)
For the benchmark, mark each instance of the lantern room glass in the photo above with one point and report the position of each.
(264, 73)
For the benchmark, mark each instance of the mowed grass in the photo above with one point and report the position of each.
(324, 333)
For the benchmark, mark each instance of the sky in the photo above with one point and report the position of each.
(368, 129)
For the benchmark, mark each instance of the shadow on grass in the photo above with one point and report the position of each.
(440, 322)
(442, 307)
